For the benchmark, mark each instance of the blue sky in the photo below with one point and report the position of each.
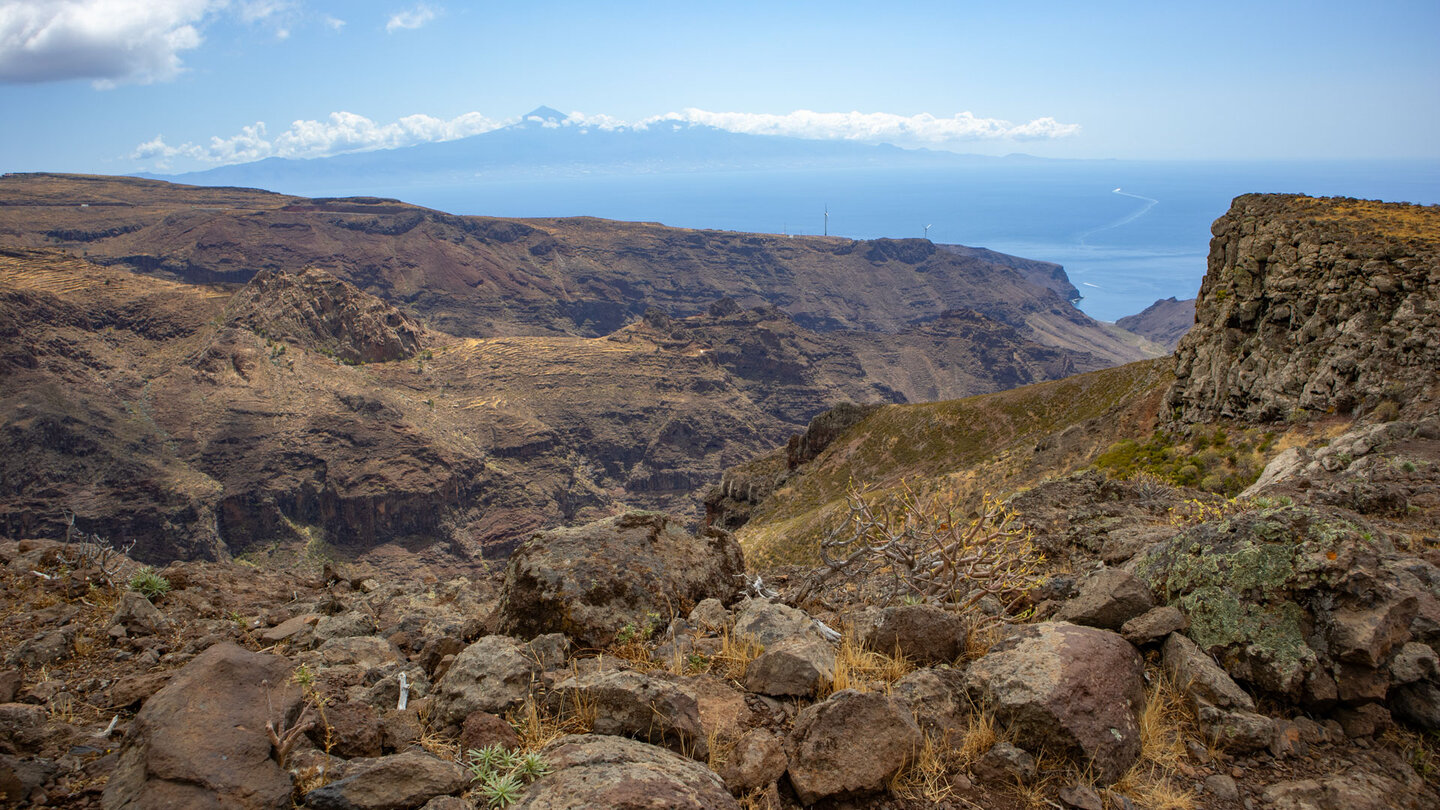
(117, 86)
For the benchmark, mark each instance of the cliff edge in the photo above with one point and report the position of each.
(1313, 306)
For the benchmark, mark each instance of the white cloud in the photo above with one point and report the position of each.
(914, 130)
(334, 23)
(345, 132)
(110, 41)
(411, 19)
(340, 133)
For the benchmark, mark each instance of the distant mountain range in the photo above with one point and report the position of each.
(548, 142)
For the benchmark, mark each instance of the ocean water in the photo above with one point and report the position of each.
(1128, 233)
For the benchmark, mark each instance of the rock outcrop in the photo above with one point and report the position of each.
(315, 309)
(1312, 306)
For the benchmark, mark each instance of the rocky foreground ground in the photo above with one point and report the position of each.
(646, 667)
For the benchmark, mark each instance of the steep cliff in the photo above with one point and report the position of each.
(1313, 306)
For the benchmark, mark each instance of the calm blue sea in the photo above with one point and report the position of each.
(1128, 233)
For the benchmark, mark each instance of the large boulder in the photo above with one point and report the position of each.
(634, 569)
(599, 771)
(200, 742)
(492, 675)
(1303, 603)
(851, 743)
(1066, 688)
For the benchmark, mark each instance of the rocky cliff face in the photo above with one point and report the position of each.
(1313, 306)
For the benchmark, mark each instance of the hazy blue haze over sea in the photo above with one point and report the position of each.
(1123, 251)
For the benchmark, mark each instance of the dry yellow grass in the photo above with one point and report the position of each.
(928, 775)
(1165, 724)
(858, 668)
(537, 726)
(736, 653)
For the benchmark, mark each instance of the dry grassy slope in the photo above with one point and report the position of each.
(958, 450)
(477, 276)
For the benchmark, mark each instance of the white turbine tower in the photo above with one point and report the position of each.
(927, 231)
(827, 220)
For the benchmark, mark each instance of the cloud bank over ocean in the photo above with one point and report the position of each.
(344, 132)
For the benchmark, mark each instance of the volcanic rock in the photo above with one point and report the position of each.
(1063, 687)
(201, 741)
(636, 569)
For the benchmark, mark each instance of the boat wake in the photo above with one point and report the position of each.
(1125, 220)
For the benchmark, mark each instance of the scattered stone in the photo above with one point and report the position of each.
(1222, 787)
(395, 782)
(492, 675)
(1153, 625)
(757, 760)
(831, 759)
(201, 741)
(1417, 703)
(9, 685)
(1108, 598)
(590, 581)
(597, 771)
(771, 622)
(366, 652)
(21, 727)
(290, 628)
(1081, 797)
(354, 730)
(345, 625)
(1356, 790)
(483, 729)
(137, 616)
(710, 614)
(1414, 662)
(400, 729)
(937, 699)
(1365, 720)
(794, 667)
(1005, 763)
(550, 651)
(634, 704)
(1202, 679)
(923, 634)
(1067, 688)
(1235, 730)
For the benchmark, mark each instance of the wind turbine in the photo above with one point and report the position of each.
(927, 231)
(827, 220)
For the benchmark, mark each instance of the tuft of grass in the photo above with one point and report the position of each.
(859, 668)
(1421, 749)
(736, 653)
(927, 776)
(537, 726)
(1165, 724)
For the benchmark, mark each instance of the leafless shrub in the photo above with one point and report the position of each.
(93, 551)
(283, 738)
(927, 553)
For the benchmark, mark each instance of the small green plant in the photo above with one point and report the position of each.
(502, 791)
(502, 774)
(149, 584)
(532, 766)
